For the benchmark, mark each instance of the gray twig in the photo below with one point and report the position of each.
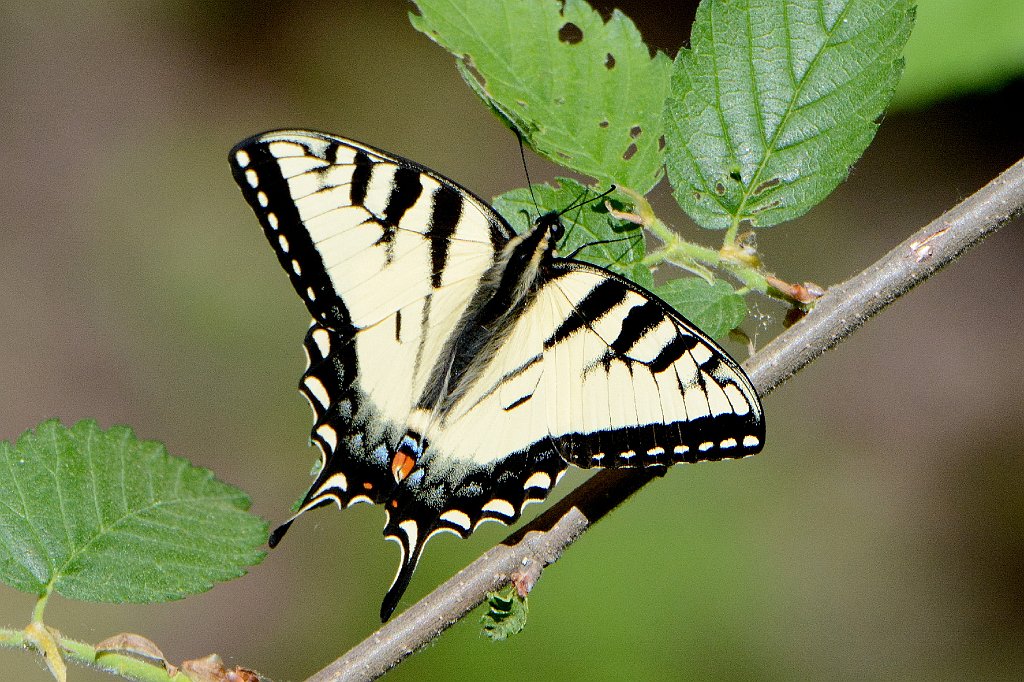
(843, 309)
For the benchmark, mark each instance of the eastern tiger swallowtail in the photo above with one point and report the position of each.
(455, 367)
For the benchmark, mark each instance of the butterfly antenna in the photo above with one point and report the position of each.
(577, 203)
(597, 243)
(522, 155)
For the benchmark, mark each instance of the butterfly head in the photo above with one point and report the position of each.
(550, 225)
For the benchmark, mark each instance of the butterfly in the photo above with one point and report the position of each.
(455, 367)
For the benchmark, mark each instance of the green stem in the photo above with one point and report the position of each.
(12, 638)
(661, 230)
(699, 260)
(37, 611)
(84, 654)
(676, 249)
(684, 251)
(751, 277)
(730, 234)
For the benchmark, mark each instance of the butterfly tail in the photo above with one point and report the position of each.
(279, 532)
(411, 536)
(314, 498)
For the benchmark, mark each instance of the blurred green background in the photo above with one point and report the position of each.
(880, 534)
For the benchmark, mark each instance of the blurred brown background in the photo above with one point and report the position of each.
(880, 535)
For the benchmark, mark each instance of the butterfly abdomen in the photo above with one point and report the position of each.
(505, 292)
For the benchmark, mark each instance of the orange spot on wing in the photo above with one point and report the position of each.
(401, 466)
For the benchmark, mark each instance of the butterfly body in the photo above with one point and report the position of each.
(455, 367)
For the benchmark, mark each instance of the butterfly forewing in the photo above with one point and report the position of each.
(647, 388)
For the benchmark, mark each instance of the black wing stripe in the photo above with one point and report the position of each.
(591, 308)
(406, 188)
(673, 350)
(446, 213)
(360, 178)
(331, 153)
(640, 320)
(405, 191)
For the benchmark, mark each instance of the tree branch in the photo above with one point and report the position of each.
(843, 309)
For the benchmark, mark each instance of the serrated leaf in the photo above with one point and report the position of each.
(102, 516)
(584, 227)
(775, 100)
(714, 308)
(590, 100)
(506, 615)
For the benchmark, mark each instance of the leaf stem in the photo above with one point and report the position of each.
(737, 259)
(37, 610)
(730, 234)
(85, 654)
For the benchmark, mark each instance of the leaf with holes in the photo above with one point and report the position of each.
(715, 308)
(775, 100)
(102, 516)
(586, 227)
(584, 93)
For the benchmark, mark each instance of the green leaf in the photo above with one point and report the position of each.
(584, 227)
(589, 98)
(775, 100)
(102, 516)
(716, 308)
(506, 615)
